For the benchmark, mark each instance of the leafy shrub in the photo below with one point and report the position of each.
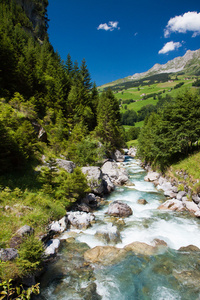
(30, 255)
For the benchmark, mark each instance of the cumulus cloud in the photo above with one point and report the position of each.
(170, 46)
(109, 27)
(189, 21)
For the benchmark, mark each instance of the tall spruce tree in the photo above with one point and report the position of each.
(108, 121)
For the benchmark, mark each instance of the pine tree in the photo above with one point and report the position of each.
(108, 121)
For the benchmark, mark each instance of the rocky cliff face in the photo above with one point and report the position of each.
(189, 63)
(36, 12)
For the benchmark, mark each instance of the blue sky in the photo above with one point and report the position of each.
(119, 38)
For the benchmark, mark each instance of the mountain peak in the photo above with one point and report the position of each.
(176, 65)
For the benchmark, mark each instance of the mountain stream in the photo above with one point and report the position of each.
(169, 274)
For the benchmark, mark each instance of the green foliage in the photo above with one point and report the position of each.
(132, 133)
(9, 291)
(129, 117)
(108, 121)
(70, 186)
(30, 255)
(172, 132)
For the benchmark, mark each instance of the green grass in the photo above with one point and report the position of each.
(191, 167)
(132, 143)
(163, 87)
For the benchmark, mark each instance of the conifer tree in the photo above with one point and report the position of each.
(108, 121)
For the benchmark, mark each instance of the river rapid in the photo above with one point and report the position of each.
(170, 274)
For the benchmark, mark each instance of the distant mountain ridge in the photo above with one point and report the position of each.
(189, 64)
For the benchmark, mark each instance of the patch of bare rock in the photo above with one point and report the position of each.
(178, 200)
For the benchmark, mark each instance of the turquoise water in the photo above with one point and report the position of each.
(172, 274)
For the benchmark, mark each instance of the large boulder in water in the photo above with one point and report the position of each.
(117, 174)
(141, 248)
(94, 178)
(118, 156)
(119, 209)
(104, 254)
(80, 219)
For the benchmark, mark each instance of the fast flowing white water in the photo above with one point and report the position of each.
(170, 275)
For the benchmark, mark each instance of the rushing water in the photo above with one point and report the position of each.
(170, 275)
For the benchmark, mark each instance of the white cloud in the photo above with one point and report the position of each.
(190, 21)
(170, 46)
(110, 26)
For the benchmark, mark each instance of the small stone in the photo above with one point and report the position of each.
(142, 201)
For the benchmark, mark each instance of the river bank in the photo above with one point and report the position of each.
(74, 274)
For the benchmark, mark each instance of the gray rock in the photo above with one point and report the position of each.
(83, 207)
(132, 152)
(180, 195)
(172, 204)
(108, 185)
(151, 176)
(80, 219)
(191, 206)
(25, 230)
(52, 247)
(142, 201)
(196, 199)
(119, 209)
(117, 174)
(67, 165)
(94, 178)
(118, 156)
(8, 254)
(59, 226)
(91, 201)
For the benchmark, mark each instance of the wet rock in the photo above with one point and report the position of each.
(109, 235)
(80, 219)
(116, 173)
(59, 226)
(90, 292)
(159, 244)
(190, 248)
(91, 201)
(8, 254)
(83, 207)
(132, 152)
(118, 156)
(67, 165)
(107, 184)
(151, 176)
(172, 204)
(104, 254)
(141, 248)
(142, 201)
(52, 247)
(95, 179)
(119, 209)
